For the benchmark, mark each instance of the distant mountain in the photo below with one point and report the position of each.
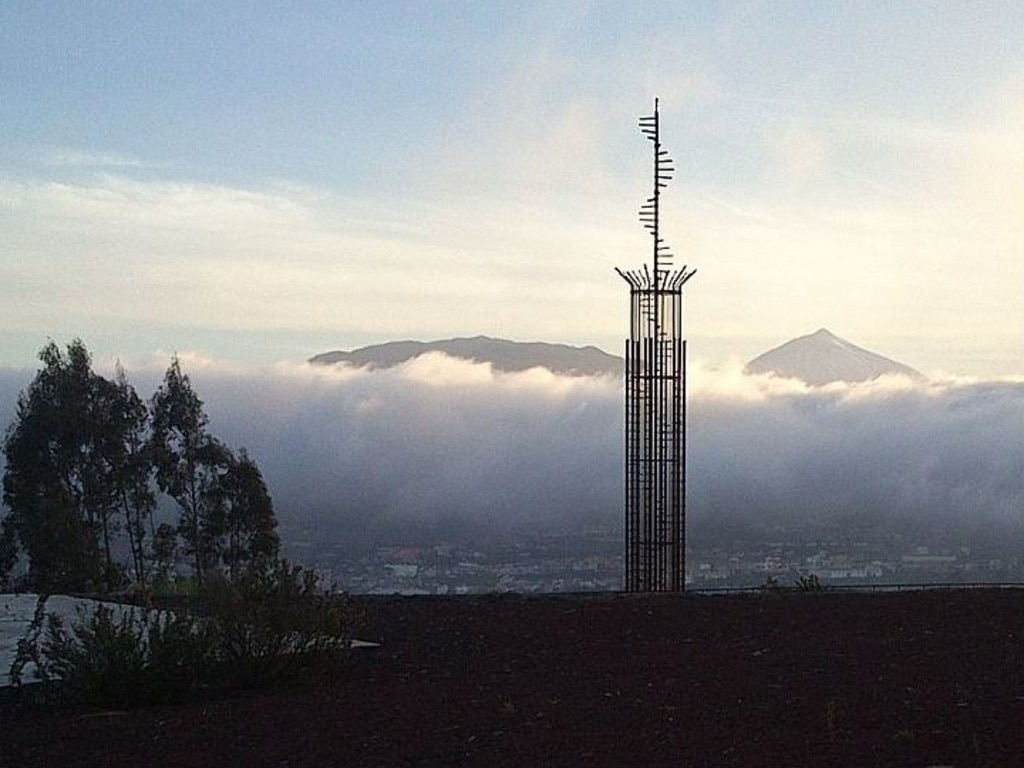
(822, 357)
(817, 359)
(502, 354)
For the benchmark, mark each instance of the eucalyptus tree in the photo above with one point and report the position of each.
(8, 552)
(56, 483)
(189, 464)
(246, 516)
(133, 471)
(81, 458)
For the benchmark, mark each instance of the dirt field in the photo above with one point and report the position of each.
(930, 678)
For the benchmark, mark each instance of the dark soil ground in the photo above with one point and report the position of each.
(933, 678)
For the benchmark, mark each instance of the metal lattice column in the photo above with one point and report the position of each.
(655, 483)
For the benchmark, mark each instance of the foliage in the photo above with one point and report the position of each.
(217, 494)
(802, 582)
(273, 621)
(82, 456)
(771, 584)
(265, 627)
(49, 474)
(8, 552)
(184, 457)
(104, 660)
(55, 480)
(120, 658)
(244, 515)
(165, 545)
(808, 582)
(133, 471)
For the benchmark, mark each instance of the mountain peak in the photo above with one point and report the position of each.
(822, 357)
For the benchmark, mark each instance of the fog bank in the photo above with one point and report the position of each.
(443, 442)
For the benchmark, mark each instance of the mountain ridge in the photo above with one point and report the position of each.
(502, 354)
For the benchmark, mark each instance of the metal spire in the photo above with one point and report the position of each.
(650, 214)
(655, 483)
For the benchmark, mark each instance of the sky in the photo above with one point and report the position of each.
(258, 182)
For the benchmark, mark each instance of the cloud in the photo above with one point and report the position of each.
(431, 440)
(364, 455)
(113, 251)
(943, 455)
(77, 158)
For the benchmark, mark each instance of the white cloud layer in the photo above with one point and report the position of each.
(438, 441)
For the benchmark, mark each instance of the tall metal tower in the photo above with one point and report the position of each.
(656, 403)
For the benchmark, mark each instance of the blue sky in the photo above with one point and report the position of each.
(262, 181)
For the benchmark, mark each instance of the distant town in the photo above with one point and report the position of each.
(590, 560)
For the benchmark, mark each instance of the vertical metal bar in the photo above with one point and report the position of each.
(627, 452)
(682, 457)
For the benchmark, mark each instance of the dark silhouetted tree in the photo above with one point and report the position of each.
(190, 465)
(245, 515)
(8, 552)
(56, 484)
(81, 456)
(133, 472)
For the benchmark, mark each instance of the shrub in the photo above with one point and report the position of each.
(274, 621)
(808, 583)
(113, 658)
(102, 660)
(265, 627)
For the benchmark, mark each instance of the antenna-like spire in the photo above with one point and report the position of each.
(650, 215)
